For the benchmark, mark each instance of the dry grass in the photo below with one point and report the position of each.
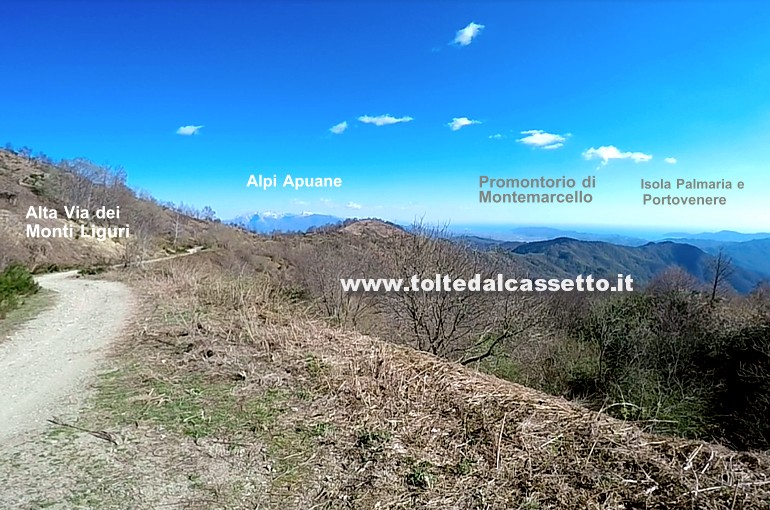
(26, 183)
(313, 417)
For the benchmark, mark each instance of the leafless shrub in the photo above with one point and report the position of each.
(466, 326)
(322, 268)
(673, 279)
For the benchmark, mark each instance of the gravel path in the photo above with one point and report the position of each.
(45, 363)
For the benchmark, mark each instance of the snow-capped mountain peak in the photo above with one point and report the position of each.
(269, 221)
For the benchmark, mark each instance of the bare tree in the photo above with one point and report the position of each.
(208, 214)
(721, 270)
(466, 326)
(177, 226)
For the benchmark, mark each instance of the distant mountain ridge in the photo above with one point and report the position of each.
(487, 235)
(565, 257)
(625, 237)
(753, 254)
(530, 234)
(270, 222)
(725, 236)
(265, 222)
(554, 252)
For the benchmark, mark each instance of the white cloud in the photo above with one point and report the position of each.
(496, 136)
(670, 161)
(542, 140)
(326, 202)
(466, 35)
(608, 152)
(460, 122)
(340, 128)
(383, 120)
(353, 205)
(188, 130)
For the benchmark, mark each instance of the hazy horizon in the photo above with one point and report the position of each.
(491, 229)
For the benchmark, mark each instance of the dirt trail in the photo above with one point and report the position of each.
(45, 363)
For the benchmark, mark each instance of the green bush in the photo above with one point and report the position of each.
(740, 367)
(677, 364)
(16, 282)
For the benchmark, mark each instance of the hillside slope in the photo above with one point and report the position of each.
(27, 182)
(569, 257)
(753, 254)
(253, 405)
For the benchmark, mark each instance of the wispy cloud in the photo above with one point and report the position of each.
(609, 152)
(670, 161)
(340, 128)
(496, 136)
(326, 202)
(188, 130)
(383, 120)
(542, 140)
(460, 122)
(353, 205)
(466, 35)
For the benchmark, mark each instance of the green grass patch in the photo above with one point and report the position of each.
(463, 468)
(373, 439)
(189, 405)
(27, 310)
(57, 433)
(200, 406)
(315, 366)
(16, 283)
(320, 429)
(420, 475)
(502, 366)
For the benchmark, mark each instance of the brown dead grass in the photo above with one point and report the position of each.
(33, 184)
(348, 421)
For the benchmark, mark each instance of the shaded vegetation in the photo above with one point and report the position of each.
(676, 362)
(16, 283)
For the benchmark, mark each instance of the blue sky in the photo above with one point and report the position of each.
(114, 82)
